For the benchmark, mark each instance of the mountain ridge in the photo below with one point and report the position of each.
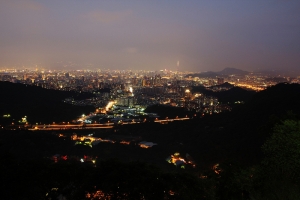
(225, 72)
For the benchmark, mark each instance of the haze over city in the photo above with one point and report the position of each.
(150, 35)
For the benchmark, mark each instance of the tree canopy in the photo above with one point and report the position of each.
(282, 149)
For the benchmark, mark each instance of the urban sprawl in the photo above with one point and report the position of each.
(122, 93)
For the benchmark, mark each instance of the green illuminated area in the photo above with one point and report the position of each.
(86, 142)
(179, 161)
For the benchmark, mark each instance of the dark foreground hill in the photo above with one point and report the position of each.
(228, 96)
(224, 72)
(237, 135)
(38, 104)
(233, 139)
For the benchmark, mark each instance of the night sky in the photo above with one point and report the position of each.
(150, 35)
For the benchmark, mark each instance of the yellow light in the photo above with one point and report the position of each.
(109, 105)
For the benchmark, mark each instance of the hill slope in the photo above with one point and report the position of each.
(38, 104)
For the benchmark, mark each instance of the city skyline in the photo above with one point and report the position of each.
(200, 35)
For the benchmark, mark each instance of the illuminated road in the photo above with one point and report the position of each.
(71, 126)
(93, 126)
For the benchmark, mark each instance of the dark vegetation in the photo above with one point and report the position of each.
(227, 97)
(230, 97)
(38, 104)
(236, 135)
(40, 179)
(256, 145)
(167, 111)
